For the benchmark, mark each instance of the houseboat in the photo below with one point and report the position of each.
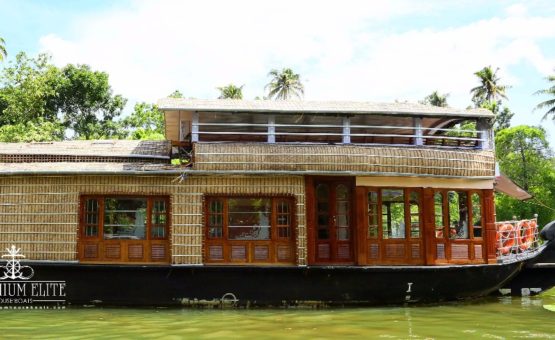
(273, 203)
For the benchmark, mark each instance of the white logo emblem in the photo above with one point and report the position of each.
(13, 269)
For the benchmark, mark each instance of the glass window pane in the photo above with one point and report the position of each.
(249, 218)
(414, 214)
(477, 214)
(438, 208)
(124, 218)
(393, 213)
(372, 214)
(458, 214)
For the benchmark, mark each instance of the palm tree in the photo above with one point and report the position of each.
(436, 99)
(550, 103)
(489, 90)
(231, 92)
(284, 84)
(3, 52)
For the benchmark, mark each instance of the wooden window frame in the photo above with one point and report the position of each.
(376, 248)
(472, 242)
(152, 250)
(276, 247)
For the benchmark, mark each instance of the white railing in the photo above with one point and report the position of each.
(341, 133)
(517, 240)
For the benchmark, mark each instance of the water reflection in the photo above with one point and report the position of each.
(503, 317)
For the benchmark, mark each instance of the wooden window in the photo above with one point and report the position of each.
(91, 218)
(458, 225)
(438, 213)
(393, 213)
(118, 228)
(394, 232)
(458, 214)
(372, 214)
(249, 229)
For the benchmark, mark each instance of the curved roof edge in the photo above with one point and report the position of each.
(294, 106)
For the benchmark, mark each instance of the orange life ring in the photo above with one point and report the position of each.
(526, 234)
(505, 238)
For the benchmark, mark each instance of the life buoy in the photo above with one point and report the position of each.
(505, 238)
(526, 234)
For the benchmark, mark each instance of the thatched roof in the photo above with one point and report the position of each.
(90, 168)
(298, 106)
(90, 148)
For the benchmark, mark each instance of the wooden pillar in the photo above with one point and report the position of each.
(310, 220)
(489, 219)
(361, 226)
(428, 227)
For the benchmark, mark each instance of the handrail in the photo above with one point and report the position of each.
(517, 240)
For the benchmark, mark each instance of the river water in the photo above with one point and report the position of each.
(491, 318)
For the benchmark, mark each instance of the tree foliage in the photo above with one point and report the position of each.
(176, 94)
(3, 51)
(524, 156)
(32, 131)
(436, 99)
(231, 92)
(146, 122)
(87, 103)
(285, 84)
(550, 103)
(74, 97)
(489, 89)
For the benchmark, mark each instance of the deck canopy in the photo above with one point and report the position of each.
(324, 122)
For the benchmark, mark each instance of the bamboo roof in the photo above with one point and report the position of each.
(91, 148)
(327, 107)
(90, 168)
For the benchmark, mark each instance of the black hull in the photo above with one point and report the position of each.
(536, 276)
(117, 285)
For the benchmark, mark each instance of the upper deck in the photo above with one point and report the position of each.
(332, 137)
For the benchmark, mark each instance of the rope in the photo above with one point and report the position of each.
(539, 203)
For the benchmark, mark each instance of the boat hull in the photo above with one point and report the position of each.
(128, 285)
(536, 276)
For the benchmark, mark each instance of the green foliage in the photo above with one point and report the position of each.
(502, 116)
(436, 99)
(176, 94)
(489, 89)
(146, 122)
(284, 85)
(3, 52)
(524, 156)
(29, 90)
(231, 92)
(75, 97)
(87, 103)
(39, 131)
(550, 103)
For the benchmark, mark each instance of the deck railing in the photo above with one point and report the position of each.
(517, 240)
(342, 130)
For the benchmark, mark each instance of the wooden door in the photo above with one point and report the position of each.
(333, 236)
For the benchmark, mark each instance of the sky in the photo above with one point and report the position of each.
(378, 51)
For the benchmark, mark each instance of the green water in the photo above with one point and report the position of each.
(492, 318)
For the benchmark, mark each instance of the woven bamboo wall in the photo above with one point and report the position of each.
(39, 214)
(344, 158)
